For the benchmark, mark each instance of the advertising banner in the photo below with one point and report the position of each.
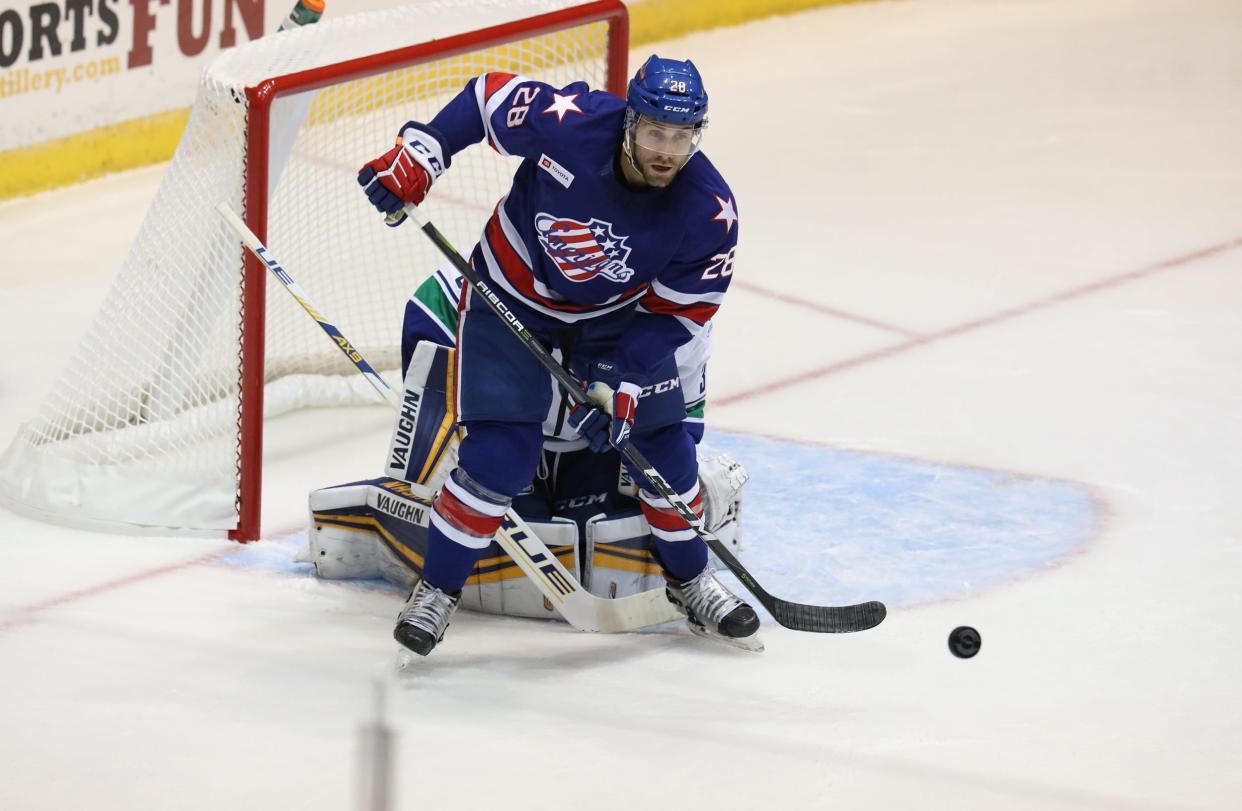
(69, 66)
(72, 65)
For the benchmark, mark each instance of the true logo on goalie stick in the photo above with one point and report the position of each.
(280, 272)
(584, 250)
(539, 560)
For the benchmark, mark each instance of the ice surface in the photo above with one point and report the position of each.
(1023, 417)
(834, 526)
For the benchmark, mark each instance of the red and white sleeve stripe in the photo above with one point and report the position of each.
(692, 310)
(490, 91)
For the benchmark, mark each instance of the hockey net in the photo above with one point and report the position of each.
(156, 422)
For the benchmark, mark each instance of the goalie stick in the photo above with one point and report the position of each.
(797, 616)
(579, 607)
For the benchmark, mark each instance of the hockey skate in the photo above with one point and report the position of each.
(421, 624)
(714, 612)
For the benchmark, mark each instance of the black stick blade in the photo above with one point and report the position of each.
(828, 619)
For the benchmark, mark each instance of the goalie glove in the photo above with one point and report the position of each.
(610, 422)
(403, 174)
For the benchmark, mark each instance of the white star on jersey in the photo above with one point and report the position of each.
(562, 105)
(728, 214)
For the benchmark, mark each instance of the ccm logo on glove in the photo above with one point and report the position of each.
(404, 174)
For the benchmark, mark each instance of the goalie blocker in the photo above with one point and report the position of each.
(582, 506)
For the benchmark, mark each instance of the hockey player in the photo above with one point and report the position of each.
(431, 315)
(574, 482)
(582, 504)
(614, 245)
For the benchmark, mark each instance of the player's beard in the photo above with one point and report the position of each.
(658, 170)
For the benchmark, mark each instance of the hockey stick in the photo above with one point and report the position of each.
(579, 607)
(798, 616)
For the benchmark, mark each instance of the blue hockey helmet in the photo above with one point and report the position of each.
(668, 91)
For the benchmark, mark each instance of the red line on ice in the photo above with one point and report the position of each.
(823, 309)
(968, 326)
(28, 613)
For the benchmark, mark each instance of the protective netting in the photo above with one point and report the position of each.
(142, 428)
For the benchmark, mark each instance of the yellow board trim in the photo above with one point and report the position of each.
(87, 155)
(658, 20)
(153, 139)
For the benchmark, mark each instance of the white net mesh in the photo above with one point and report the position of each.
(142, 428)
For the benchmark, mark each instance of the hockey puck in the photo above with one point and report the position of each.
(964, 642)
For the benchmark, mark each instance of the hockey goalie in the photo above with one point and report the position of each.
(582, 504)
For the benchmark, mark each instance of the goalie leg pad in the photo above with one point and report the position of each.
(425, 438)
(620, 557)
(379, 528)
(373, 528)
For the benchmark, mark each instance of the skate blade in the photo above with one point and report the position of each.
(406, 659)
(750, 643)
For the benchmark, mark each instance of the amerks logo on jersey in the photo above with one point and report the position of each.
(584, 250)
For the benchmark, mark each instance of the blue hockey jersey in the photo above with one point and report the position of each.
(571, 240)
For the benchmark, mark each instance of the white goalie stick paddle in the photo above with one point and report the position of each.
(579, 607)
(826, 619)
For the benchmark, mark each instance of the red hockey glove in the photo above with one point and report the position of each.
(403, 174)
